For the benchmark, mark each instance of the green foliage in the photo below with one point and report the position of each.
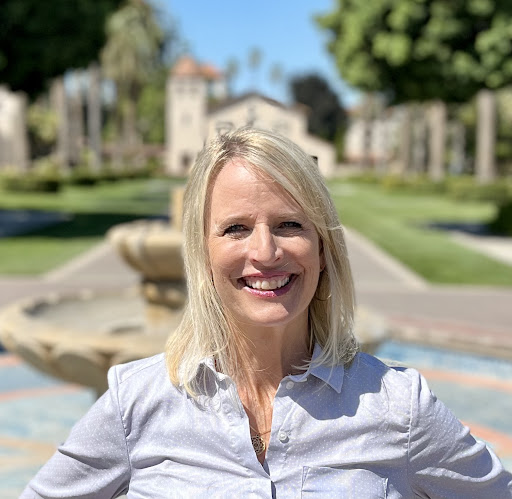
(326, 115)
(41, 40)
(467, 189)
(132, 57)
(42, 128)
(42, 122)
(83, 175)
(43, 177)
(462, 188)
(135, 42)
(502, 223)
(422, 49)
(150, 110)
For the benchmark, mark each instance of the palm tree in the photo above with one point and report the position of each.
(130, 57)
(276, 74)
(232, 69)
(254, 64)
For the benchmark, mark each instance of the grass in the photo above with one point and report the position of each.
(401, 225)
(92, 210)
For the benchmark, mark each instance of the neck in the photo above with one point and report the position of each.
(267, 355)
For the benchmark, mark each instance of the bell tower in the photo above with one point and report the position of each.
(186, 108)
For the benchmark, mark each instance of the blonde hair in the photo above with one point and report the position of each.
(205, 329)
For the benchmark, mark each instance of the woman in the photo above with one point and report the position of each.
(261, 392)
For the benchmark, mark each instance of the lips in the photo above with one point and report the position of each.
(266, 284)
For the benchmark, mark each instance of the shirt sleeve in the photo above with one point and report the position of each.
(445, 460)
(94, 461)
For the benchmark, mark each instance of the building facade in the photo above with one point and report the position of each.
(198, 109)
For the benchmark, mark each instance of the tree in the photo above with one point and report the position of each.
(149, 109)
(39, 41)
(276, 73)
(254, 60)
(422, 50)
(326, 115)
(232, 69)
(131, 56)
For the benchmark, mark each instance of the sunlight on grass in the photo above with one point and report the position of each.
(93, 211)
(401, 225)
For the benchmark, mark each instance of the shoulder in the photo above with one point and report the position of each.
(365, 368)
(389, 390)
(140, 378)
(139, 370)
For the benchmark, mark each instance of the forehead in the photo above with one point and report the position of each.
(239, 181)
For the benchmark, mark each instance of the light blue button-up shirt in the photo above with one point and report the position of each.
(363, 432)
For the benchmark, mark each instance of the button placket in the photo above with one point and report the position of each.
(283, 436)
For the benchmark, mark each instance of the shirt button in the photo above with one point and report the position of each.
(283, 436)
(289, 385)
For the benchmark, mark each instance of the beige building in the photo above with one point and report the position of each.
(198, 108)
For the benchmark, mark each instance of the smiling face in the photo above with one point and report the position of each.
(264, 252)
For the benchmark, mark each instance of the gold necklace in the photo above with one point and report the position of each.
(258, 443)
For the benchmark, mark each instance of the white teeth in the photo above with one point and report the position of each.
(268, 285)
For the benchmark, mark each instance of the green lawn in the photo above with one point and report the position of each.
(92, 210)
(399, 223)
(396, 222)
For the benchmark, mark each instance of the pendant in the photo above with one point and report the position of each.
(258, 444)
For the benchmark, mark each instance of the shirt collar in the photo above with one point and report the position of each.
(332, 375)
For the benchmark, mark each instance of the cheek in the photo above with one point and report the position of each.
(223, 260)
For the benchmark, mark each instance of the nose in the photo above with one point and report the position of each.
(264, 246)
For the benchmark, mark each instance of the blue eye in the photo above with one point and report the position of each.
(234, 229)
(291, 225)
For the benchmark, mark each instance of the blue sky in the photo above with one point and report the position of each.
(283, 30)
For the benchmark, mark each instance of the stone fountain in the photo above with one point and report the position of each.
(78, 336)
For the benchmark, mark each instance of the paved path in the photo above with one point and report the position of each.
(474, 318)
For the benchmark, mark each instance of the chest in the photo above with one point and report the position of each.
(314, 448)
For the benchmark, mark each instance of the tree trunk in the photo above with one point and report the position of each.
(59, 102)
(406, 140)
(94, 117)
(458, 147)
(76, 128)
(437, 119)
(485, 163)
(419, 150)
(366, 157)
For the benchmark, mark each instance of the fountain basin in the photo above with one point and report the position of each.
(78, 337)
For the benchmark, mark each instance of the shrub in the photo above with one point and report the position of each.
(393, 183)
(365, 178)
(502, 223)
(467, 189)
(44, 176)
(83, 175)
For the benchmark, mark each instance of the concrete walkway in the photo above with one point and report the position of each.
(477, 319)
